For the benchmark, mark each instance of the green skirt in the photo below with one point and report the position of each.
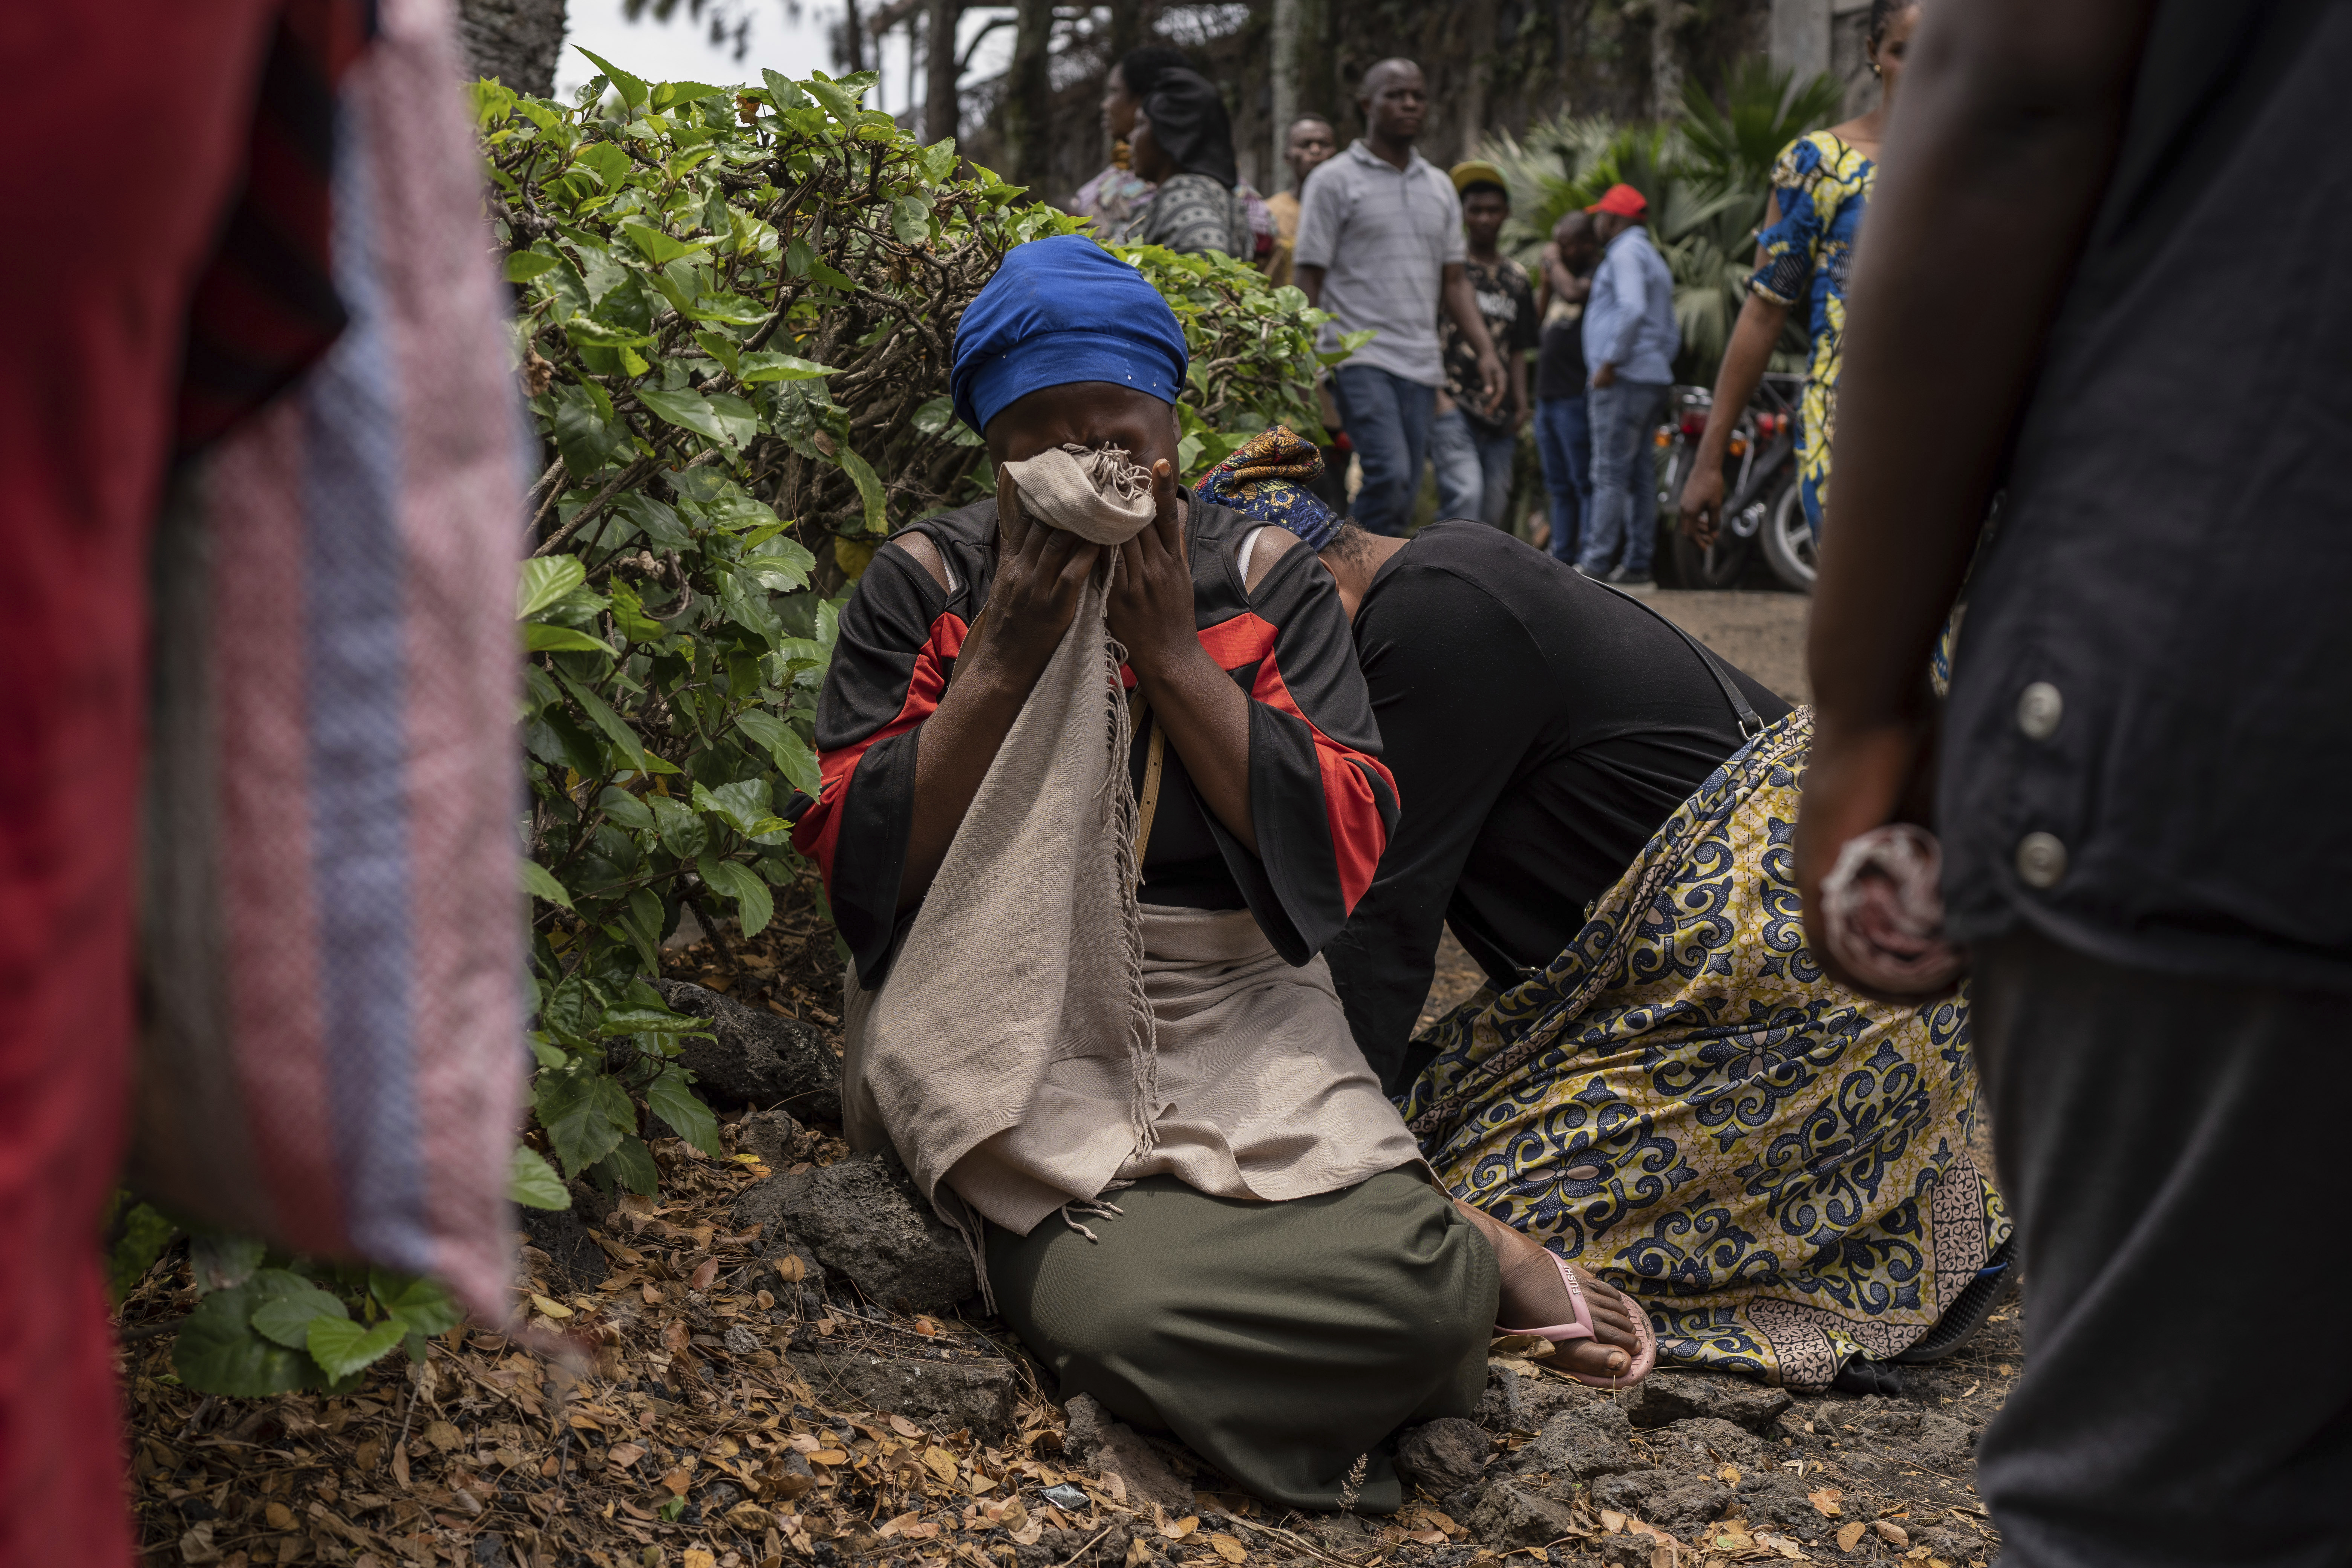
(1283, 1343)
(1780, 1170)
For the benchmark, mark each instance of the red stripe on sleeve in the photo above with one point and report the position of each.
(1350, 804)
(815, 835)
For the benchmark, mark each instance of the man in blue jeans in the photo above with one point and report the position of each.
(1563, 432)
(1381, 247)
(1630, 341)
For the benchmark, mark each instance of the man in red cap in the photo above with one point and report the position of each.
(1630, 343)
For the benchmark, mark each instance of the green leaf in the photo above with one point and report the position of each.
(736, 418)
(588, 332)
(837, 103)
(546, 579)
(782, 90)
(683, 832)
(219, 1351)
(728, 310)
(145, 1233)
(585, 1112)
(221, 1262)
(781, 742)
(778, 572)
(719, 346)
(422, 1306)
(540, 883)
(754, 906)
(631, 89)
(287, 1319)
(532, 1182)
(523, 266)
(572, 1009)
(741, 805)
(671, 92)
(657, 247)
(658, 519)
(869, 487)
(669, 1098)
(625, 809)
(910, 220)
(341, 1347)
(540, 637)
(616, 728)
(688, 411)
(631, 1165)
(637, 1019)
(768, 364)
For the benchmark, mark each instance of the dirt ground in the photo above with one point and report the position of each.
(656, 1404)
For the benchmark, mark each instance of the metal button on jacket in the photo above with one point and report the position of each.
(2041, 860)
(2039, 707)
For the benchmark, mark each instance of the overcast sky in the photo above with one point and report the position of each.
(681, 49)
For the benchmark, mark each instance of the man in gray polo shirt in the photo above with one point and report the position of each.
(1379, 247)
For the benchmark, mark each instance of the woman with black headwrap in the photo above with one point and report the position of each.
(1183, 143)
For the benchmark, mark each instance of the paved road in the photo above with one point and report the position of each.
(1762, 633)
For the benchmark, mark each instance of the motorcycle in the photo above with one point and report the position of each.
(1762, 509)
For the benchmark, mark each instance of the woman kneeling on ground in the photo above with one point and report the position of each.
(1660, 1083)
(1144, 1107)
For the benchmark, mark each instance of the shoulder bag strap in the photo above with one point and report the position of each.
(1751, 723)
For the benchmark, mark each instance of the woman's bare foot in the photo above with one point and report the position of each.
(1533, 1296)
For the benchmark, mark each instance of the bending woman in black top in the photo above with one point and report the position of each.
(1659, 1082)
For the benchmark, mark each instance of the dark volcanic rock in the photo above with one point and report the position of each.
(863, 1218)
(1581, 1444)
(1778, 1499)
(1663, 1497)
(1666, 1397)
(945, 1395)
(1515, 1403)
(1627, 1551)
(1510, 1517)
(1944, 1441)
(1100, 1442)
(775, 1137)
(758, 1058)
(1704, 1443)
(1443, 1455)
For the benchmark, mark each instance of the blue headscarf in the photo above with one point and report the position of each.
(1059, 310)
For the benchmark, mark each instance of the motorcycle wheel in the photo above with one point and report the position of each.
(1789, 547)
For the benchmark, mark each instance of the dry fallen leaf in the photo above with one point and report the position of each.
(1826, 1499)
(1182, 1528)
(1851, 1535)
(925, 1328)
(623, 1455)
(278, 1516)
(1728, 1475)
(676, 1481)
(1892, 1534)
(904, 1427)
(1232, 1550)
(1611, 1520)
(400, 1465)
(704, 1274)
(550, 1308)
(941, 1463)
(790, 1270)
(443, 1436)
(1138, 1552)
(1730, 1537)
(368, 1453)
(696, 1557)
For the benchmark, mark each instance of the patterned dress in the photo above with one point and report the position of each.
(1822, 185)
(1785, 1173)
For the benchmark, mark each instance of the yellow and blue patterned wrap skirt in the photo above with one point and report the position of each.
(1781, 1171)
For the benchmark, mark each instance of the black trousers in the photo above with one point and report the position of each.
(2176, 1151)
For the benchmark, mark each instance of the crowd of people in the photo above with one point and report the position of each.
(1720, 1105)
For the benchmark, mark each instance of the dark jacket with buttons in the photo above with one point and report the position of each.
(2149, 734)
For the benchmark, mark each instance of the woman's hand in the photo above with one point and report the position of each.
(1040, 574)
(1855, 780)
(1150, 601)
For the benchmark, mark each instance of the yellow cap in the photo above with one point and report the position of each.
(1475, 171)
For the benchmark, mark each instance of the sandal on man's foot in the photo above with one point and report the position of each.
(1560, 1333)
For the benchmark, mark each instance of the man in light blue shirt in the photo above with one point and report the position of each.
(1630, 343)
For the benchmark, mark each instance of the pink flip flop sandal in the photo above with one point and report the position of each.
(1560, 1333)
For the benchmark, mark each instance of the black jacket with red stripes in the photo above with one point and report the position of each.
(1321, 800)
